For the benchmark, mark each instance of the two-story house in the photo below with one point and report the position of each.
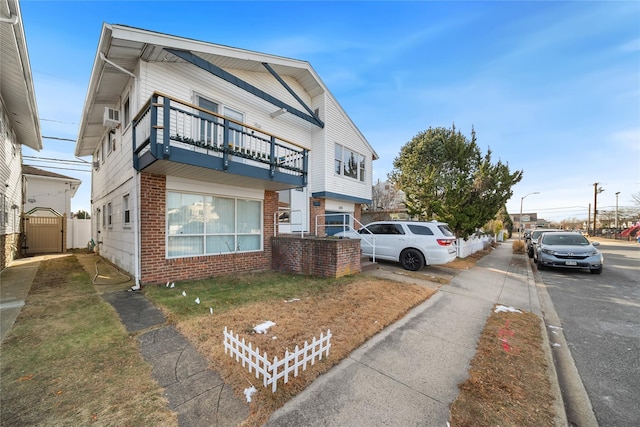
(203, 152)
(19, 125)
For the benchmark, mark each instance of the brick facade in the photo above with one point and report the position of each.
(156, 268)
(316, 256)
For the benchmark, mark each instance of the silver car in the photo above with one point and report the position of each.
(567, 250)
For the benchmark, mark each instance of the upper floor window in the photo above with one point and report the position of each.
(235, 129)
(126, 211)
(4, 210)
(126, 113)
(349, 163)
(112, 140)
(105, 148)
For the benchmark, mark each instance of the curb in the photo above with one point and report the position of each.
(566, 383)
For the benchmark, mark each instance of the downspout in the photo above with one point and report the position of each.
(136, 231)
(136, 223)
(12, 19)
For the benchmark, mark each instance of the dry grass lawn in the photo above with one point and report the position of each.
(508, 383)
(354, 312)
(69, 361)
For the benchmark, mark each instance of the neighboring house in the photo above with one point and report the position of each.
(528, 221)
(202, 153)
(49, 194)
(19, 125)
(44, 190)
(387, 203)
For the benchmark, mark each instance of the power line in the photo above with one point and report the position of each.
(58, 139)
(57, 121)
(49, 159)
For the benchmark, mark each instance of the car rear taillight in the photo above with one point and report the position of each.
(444, 242)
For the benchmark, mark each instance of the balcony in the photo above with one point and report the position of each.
(172, 137)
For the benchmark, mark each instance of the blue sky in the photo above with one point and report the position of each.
(552, 88)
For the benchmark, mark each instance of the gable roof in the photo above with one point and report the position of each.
(16, 82)
(74, 183)
(121, 47)
(30, 170)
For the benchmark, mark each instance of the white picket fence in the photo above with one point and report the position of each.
(472, 245)
(271, 372)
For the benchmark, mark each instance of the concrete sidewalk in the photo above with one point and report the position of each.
(15, 283)
(406, 375)
(409, 373)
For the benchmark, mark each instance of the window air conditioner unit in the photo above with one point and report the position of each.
(111, 118)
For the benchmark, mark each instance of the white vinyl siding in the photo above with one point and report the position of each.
(183, 80)
(340, 130)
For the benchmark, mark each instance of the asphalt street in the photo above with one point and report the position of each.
(600, 321)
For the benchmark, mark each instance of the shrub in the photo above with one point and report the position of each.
(518, 247)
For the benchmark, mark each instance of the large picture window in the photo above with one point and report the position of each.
(210, 225)
(349, 163)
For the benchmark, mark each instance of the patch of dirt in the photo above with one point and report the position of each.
(508, 383)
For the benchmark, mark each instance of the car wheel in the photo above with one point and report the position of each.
(596, 270)
(540, 266)
(411, 259)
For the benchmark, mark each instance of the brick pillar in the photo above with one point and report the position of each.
(316, 207)
(152, 224)
(269, 208)
(357, 214)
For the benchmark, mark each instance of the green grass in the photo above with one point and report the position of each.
(69, 361)
(230, 292)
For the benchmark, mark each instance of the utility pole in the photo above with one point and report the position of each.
(617, 194)
(596, 190)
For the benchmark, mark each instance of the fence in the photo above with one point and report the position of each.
(271, 372)
(78, 233)
(472, 245)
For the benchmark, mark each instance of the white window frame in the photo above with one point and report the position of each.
(4, 210)
(345, 154)
(126, 211)
(109, 215)
(236, 233)
(126, 112)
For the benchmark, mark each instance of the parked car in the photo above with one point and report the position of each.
(413, 244)
(568, 250)
(533, 239)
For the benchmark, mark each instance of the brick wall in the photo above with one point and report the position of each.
(155, 268)
(316, 256)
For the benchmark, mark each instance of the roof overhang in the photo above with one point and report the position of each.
(126, 46)
(16, 82)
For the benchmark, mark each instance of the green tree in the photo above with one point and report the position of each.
(446, 177)
(82, 214)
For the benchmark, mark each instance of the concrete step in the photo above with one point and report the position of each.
(366, 264)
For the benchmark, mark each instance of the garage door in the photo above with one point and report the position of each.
(43, 234)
